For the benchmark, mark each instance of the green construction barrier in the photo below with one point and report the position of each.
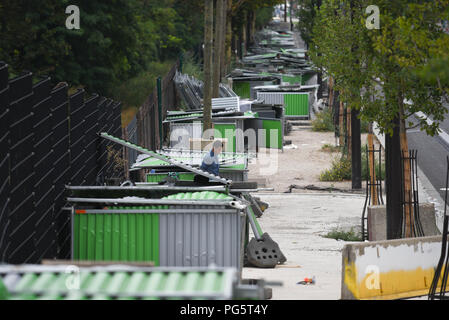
(242, 89)
(296, 104)
(183, 176)
(117, 236)
(292, 79)
(269, 125)
(222, 128)
(131, 236)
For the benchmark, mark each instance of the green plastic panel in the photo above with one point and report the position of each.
(199, 195)
(306, 77)
(124, 284)
(259, 229)
(222, 128)
(292, 79)
(117, 236)
(242, 89)
(4, 294)
(270, 125)
(183, 176)
(296, 104)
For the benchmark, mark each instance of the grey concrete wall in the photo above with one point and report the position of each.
(377, 221)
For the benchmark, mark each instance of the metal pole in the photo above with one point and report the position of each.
(159, 105)
(231, 203)
(393, 172)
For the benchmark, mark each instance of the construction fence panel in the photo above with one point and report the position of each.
(48, 139)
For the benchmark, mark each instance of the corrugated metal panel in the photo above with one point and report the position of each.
(167, 239)
(234, 175)
(156, 177)
(271, 97)
(194, 158)
(252, 84)
(292, 79)
(223, 129)
(200, 239)
(296, 104)
(117, 236)
(181, 132)
(117, 282)
(242, 89)
(225, 103)
(273, 133)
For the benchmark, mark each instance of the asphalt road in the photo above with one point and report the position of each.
(432, 153)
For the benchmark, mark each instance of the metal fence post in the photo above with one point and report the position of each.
(159, 105)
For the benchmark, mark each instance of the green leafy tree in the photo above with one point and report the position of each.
(376, 71)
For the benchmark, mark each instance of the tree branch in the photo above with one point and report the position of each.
(237, 5)
(441, 89)
(413, 127)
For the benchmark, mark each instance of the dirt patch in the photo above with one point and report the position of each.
(300, 166)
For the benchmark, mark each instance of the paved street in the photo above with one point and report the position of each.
(298, 222)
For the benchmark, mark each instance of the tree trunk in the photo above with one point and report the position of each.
(285, 11)
(330, 92)
(291, 17)
(217, 49)
(372, 166)
(208, 73)
(349, 132)
(223, 39)
(341, 123)
(252, 27)
(229, 36)
(408, 208)
(243, 34)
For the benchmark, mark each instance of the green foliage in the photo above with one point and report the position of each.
(376, 70)
(339, 171)
(192, 67)
(339, 234)
(263, 16)
(134, 91)
(121, 46)
(364, 126)
(341, 168)
(119, 41)
(323, 121)
(306, 17)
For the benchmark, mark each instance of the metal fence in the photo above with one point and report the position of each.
(48, 139)
(144, 127)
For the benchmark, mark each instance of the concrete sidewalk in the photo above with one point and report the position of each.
(298, 222)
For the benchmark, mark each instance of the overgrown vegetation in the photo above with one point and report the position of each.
(327, 147)
(341, 167)
(116, 158)
(339, 171)
(133, 92)
(192, 67)
(323, 121)
(340, 234)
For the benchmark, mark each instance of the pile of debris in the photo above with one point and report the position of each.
(191, 90)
